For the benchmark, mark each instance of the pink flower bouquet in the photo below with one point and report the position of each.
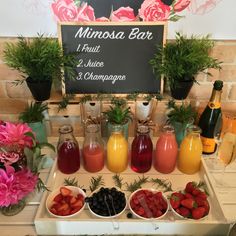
(20, 162)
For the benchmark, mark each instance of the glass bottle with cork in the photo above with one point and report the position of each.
(211, 119)
(68, 159)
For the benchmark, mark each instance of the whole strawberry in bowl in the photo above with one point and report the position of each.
(148, 204)
(190, 203)
(65, 201)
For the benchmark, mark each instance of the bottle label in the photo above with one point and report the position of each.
(214, 105)
(208, 144)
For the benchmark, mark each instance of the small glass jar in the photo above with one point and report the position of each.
(117, 150)
(166, 151)
(68, 151)
(93, 149)
(141, 150)
(14, 209)
(189, 160)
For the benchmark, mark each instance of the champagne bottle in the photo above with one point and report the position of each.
(211, 119)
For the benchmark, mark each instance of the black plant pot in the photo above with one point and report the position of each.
(40, 90)
(181, 90)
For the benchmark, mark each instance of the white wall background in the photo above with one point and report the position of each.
(27, 17)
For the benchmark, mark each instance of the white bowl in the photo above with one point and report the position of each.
(75, 190)
(101, 216)
(143, 204)
(186, 218)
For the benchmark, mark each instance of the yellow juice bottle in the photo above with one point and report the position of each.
(117, 151)
(189, 159)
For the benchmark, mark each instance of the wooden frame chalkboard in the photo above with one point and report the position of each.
(113, 57)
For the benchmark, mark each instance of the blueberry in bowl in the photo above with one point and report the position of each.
(106, 202)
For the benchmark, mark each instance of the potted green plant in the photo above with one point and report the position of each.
(118, 114)
(181, 60)
(33, 116)
(40, 60)
(180, 117)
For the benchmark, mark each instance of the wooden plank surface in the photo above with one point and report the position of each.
(17, 230)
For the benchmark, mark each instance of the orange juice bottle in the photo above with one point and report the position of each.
(117, 150)
(189, 160)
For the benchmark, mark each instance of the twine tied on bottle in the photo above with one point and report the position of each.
(148, 122)
(93, 120)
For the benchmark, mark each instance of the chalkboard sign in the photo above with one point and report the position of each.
(113, 57)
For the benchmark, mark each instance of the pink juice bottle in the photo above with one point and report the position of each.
(141, 150)
(166, 151)
(68, 160)
(93, 150)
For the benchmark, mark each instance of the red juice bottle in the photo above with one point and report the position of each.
(141, 150)
(68, 159)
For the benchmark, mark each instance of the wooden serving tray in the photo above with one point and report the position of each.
(85, 223)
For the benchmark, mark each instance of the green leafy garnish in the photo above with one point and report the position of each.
(41, 186)
(136, 184)
(162, 183)
(95, 183)
(118, 180)
(71, 182)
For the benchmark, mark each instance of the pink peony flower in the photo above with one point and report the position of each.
(180, 5)
(65, 10)
(123, 14)
(154, 10)
(7, 192)
(85, 13)
(14, 186)
(9, 158)
(26, 181)
(102, 19)
(14, 135)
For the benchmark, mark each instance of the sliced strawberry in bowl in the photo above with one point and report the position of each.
(58, 198)
(65, 201)
(65, 191)
(148, 204)
(78, 203)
